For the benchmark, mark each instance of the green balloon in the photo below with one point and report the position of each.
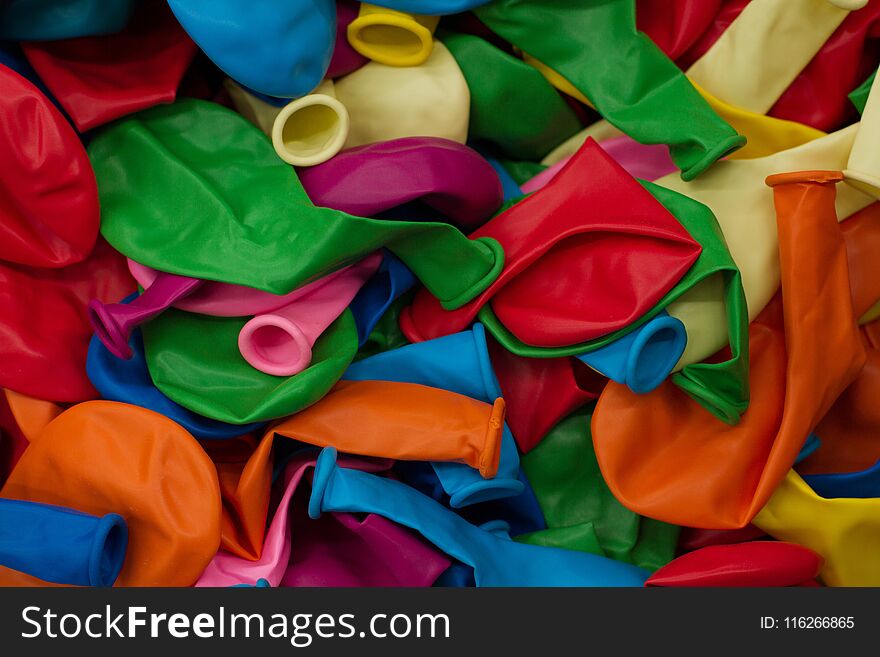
(194, 359)
(565, 476)
(581, 537)
(721, 388)
(512, 104)
(193, 188)
(521, 170)
(594, 44)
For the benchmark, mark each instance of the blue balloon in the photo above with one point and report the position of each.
(129, 381)
(47, 20)
(61, 545)
(430, 7)
(642, 358)
(862, 484)
(508, 184)
(280, 49)
(496, 561)
(810, 445)
(458, 363)
(392, 279)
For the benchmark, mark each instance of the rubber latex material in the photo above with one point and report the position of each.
(459, 363)
(497, 561)
(675, 25)
(745, 213)
(643, 358)
(38, 20)
(844, 531)
(345, 59)
(337, 550)
(764, 50)
(512, 106)
(392, 37)
(195, 361)
(562, 232)
(556, 32)
(312, 129)
(13, 441)
(859, 96)
(439, 425)
(815, 328)
(541, 391)
(55, 223)
(256, 110)
(158, 479)
(376, 296)
(818, 97)
(226, 299)
(253, 199)
(445, 175)
(566, 479)
(431, 100)
(864, 484)
(757, 563)
(44, 329)
(280, 342)
(863, 168)
(61, 545)
(129, 381)
(281, 51)
(692, 538)
(99, 79)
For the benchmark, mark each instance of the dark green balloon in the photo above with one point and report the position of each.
(193, 188)
(194, 359)
(594, 44)
(565, 476)
(859, 95)
(512, 104)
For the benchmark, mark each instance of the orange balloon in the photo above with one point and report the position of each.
(665, 457)
(244, 468)
(402, 421)
(105, 457)
(861, 233)
(31, 414)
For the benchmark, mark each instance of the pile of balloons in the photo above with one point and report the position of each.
(440, 293)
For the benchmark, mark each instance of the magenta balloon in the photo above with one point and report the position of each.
(345, 59)
(453, 179)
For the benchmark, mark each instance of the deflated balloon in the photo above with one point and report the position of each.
(98, 79)
(252, 224)
(445, 175)
(48, 200)
(280, 50)
(40, 20)
(140, 465)
(44, 328)
(802, 358)
(596, 47)
(195, 361)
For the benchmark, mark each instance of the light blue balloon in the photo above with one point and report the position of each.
(458, 363)
(61, 545)
(496, 561)
(49, 20)
(643, 358)
(279, 49)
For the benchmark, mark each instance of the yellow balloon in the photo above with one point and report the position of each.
(392, 37)
(845, 531)
(863, 169)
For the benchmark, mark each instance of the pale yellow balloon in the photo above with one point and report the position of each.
(845, 531)
(392, 37)
(765, 48)
(390, 102)
(312, 129)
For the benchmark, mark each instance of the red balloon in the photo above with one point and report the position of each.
(757, 563)
(49, 213)
(540, 392)
(101, 78)
(580, 260)
(694, 538)
(675, 25)
(44, 329)
(726, 14)
(12, 440)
